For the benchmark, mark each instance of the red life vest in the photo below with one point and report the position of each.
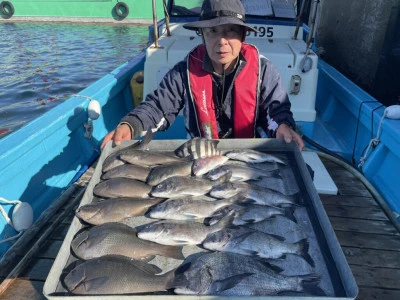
(245, 91)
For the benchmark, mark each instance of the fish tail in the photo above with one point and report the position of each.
(180, 281)
(174, 252)
(146, 140)
(304, 246)
(300, 199)
(170, 281)
(276, 174)
(225, 177)
(288, 213)
(296, 200)
(225, 221)
(310, 283)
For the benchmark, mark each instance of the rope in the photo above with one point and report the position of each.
(353, 160)
(374, 141)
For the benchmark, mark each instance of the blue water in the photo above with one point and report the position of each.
(42, 64)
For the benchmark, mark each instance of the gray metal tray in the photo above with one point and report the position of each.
(330, 263)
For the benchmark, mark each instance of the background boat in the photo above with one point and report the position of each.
(128, 11)
(43, 159)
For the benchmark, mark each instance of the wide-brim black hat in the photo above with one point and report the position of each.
(220, 12)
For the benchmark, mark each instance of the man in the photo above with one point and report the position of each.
(225, 88)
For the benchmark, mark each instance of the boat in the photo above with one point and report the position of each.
(42, 162)
(115, 11)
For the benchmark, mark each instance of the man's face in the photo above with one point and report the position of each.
(223, 45)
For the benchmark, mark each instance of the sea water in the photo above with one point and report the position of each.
(43, 64)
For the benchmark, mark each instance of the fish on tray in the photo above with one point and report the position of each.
(252, 213)
(260, 195)
(122, 187)
(253, 156)
(112, 274)
(119, 239)
(197, 148)
(251, 242)
(113, 160)
(191, 207)
(203, 165)
(230, 274)
(127, 171)
(148, 158)
(162, 172)
(114, 210)
(242, 173)
(178, 186)
(169, 232)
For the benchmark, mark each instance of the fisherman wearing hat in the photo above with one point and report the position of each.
(224, 86)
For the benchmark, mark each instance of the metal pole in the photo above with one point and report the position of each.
(313, 20)
(155, 24)
(299, 19)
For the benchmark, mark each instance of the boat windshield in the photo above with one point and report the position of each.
(286, 9)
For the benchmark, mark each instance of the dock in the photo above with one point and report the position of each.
(370, 241)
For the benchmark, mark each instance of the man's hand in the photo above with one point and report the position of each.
(121, 133)
(289, 135)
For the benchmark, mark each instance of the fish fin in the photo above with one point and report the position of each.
(230, 282)
(147, 258)
(75, 245)
(298, 200)
(212, 220)
(184, 267)
(246, 200)
(94, 284)
(97, 238)
(239, 198)
(191, 217)
(274, 268)
(142, 265)
(309, 284)
(304, 246)
(180, 283)
(174, 252)
(276, 174)
(169, 279)
(249, 252)
(249, 220)
(180, 242)
(235, 178)
(226, 220)
(225, 178)
(242, 237)
(214, 143)
(100, 211)
(275, 236)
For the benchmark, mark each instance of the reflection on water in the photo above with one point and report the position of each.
(42, 64)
